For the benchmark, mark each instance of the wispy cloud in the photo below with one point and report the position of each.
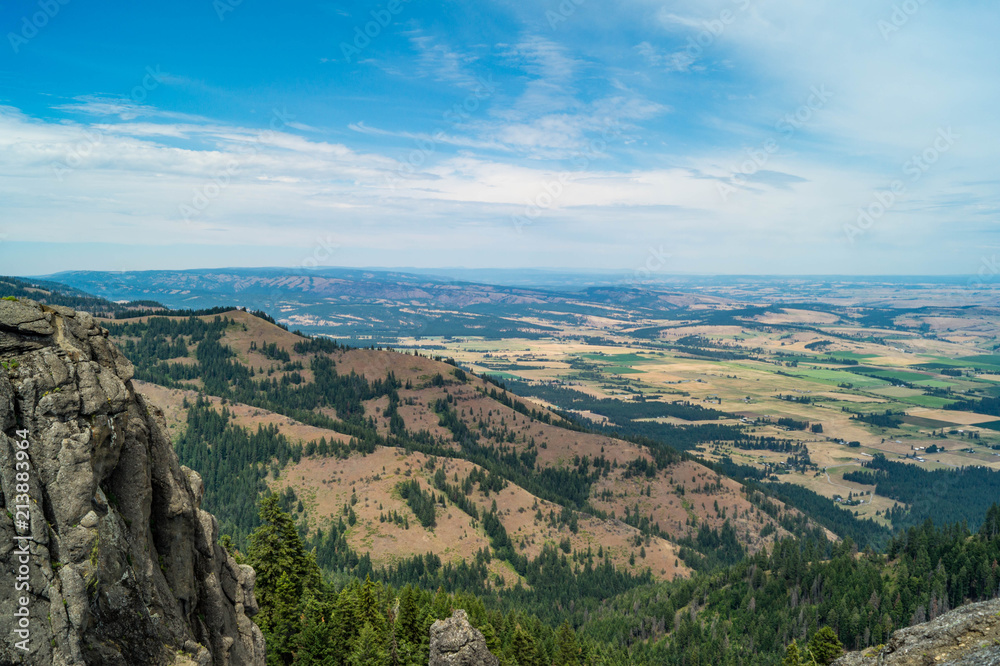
(676, 61)
(441, 62)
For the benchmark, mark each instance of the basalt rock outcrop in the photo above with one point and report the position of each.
(121, 565)
(455, 642)
(966, 636)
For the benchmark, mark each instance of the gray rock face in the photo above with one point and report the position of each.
(966, 636)
(123, 565)
(455, 642)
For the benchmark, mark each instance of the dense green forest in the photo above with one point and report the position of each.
(310, 620)
(749, 612)
(746, 613)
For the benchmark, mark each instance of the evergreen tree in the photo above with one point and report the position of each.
(792, 655)
(407, 619)
(369, 648)
(314, 644)
(824, 646)
(567, 648)
(284, 573)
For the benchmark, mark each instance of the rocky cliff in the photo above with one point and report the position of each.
(105, 556)
(966, 636)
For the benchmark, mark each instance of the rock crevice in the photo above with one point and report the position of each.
(125, 567)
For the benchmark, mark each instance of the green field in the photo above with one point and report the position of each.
(890, 375)
(621, 370)
(623, 359)
(852, 356)
(834, 377)
(931, 401)
(935, 383)
(982, 360)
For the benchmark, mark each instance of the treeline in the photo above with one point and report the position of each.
(149, 344)
(886, 419)
(864, 532)
(420, 502)
(987, 406)
(459, 494)
(561, 485)
(233, 462)
(944, 495)
(619, 411)
(54, 293)
(792, 424)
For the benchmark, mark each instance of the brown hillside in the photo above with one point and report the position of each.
(679, 499)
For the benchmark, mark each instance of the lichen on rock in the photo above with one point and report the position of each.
(455, 642)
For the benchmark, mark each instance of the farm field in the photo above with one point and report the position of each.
(842, 394)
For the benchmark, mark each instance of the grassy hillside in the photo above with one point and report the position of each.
(397, 417)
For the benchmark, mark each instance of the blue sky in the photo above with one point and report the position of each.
(712, 136)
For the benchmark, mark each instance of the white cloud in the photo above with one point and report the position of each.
(680, 129)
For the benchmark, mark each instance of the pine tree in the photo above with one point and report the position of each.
(368, 607)
(346, 619)
(441, 608)
(284, 572)
(792, 655)
(523, 648)
(824, 646)
(369, 648)
(314, 645)
(407, 621)
(567, 648)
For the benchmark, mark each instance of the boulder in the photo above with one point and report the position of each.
(455, 642)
